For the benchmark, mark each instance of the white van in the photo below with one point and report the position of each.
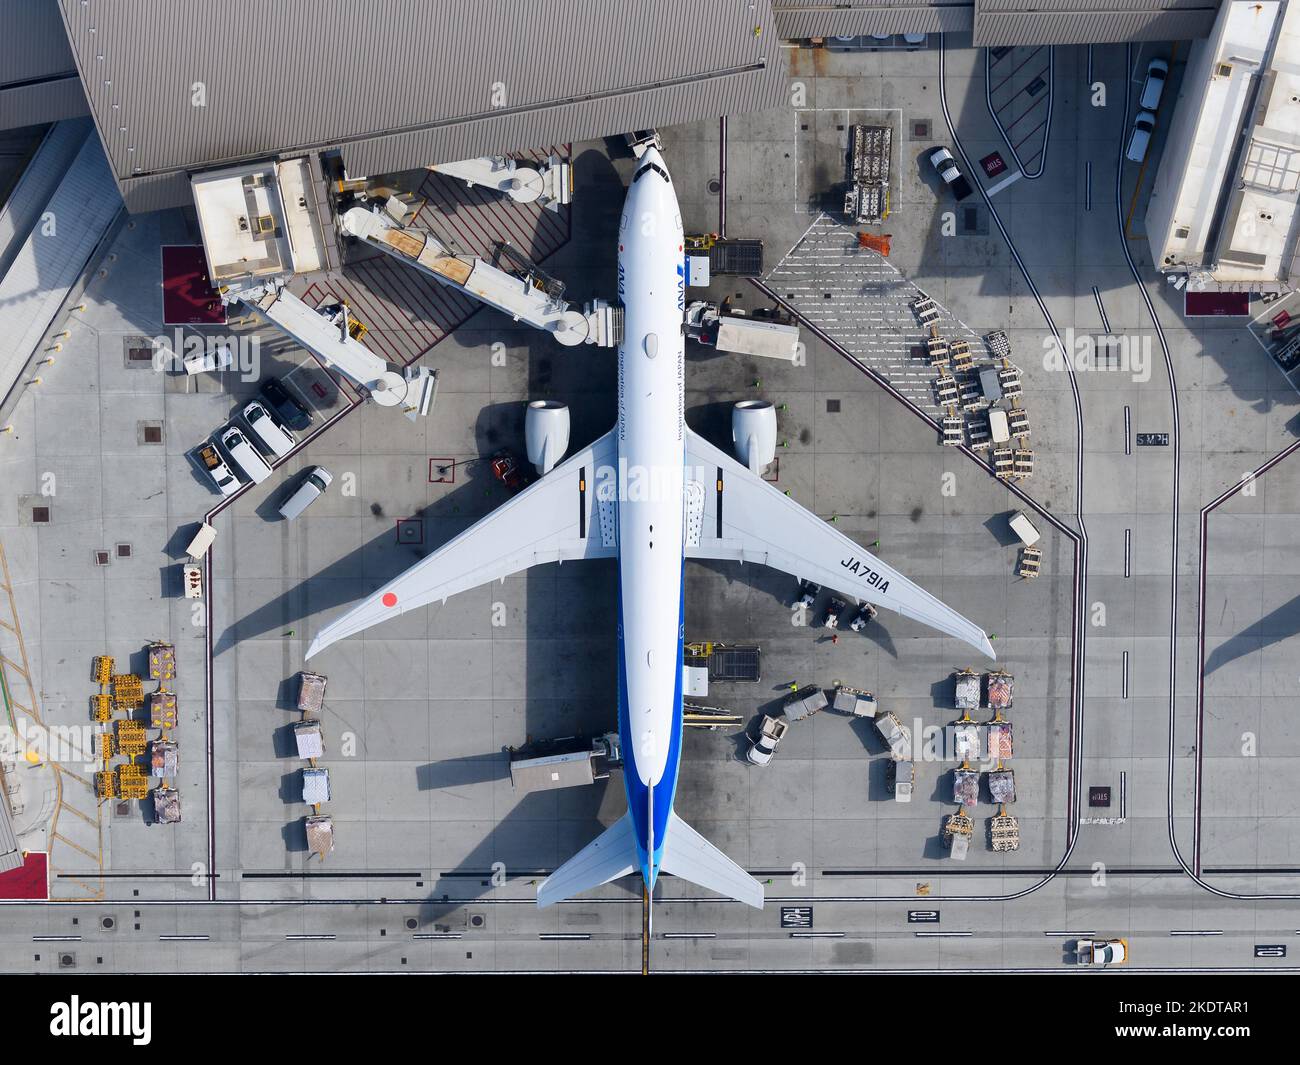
(1140, 141)
(276, 440)
(1154, 87)
(219, 357)
(246, 457)
(1023, 528)
(311, 489)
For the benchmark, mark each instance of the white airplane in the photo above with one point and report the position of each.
(651, 493)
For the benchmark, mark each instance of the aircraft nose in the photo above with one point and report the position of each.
(652, 158)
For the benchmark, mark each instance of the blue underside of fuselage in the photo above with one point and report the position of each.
(640, 797)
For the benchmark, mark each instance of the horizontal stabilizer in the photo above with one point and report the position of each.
(610, 855)
(692, 857)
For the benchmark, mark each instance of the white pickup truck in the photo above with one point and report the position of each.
(1101, 951)
(770, 732)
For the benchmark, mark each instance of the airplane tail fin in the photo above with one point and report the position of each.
(686, 854)
(692, 857)
(609, 856)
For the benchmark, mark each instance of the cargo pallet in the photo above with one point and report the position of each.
(131, 781)
(128, 691)
(1004, 831)
(162, 661)
(1030, 560)
(162, 709)
(131, 737)
(998, 344)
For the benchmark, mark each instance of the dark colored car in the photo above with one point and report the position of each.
(285, 407)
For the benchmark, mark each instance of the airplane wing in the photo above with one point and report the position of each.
(609, 856)
(556, 519)
(746, 519)
(692, 857)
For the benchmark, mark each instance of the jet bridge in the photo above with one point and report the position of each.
(518, 294)
(327, 336)
(261, 225)
(549, 184)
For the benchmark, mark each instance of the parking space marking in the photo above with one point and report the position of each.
(1010, 179)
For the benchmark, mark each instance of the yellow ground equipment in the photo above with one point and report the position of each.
(101, 708)
(132, 783)
(131, 737)
(128, 691)
(103, 670)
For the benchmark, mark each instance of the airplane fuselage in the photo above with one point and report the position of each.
(651, 448)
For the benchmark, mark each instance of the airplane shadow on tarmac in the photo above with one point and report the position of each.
(1274, 627)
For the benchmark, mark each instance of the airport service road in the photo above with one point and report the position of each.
(1142, 663)
(1169, 921)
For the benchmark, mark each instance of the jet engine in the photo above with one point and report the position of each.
(753, 432)
(546, 433)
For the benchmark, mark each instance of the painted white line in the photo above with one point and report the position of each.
(1195, 932)
(690, 935)
(816, 935)
(1010, 179)
(943, 935)
(564, 935)
(1078, 935)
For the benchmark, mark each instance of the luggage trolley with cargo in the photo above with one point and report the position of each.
(804, 702)
(966, 689)
(1004, 831)
(965, 785)
(900, 776)
(998, 690)
(311, 692)
(897, 735)
(1002, 785)
(854, 701)
(957, 832)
